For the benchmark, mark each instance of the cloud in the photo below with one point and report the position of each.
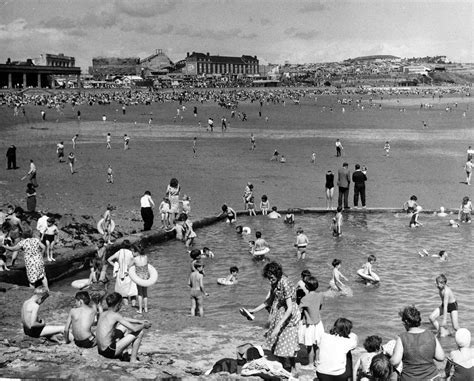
(314, 6)
(302, 35)
(145, 8)
(265, 21)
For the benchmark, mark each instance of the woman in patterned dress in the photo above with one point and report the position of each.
(33, 249)
(282, 334)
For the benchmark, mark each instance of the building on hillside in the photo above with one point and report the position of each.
(50, 70)
(416, 69)
(204, 64)
(108, 67)
(156, 64)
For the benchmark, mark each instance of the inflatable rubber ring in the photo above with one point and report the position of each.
(100, 226)
(143, 282)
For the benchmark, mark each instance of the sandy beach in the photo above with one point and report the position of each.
(427, 162)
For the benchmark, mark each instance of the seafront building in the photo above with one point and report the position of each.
(201, 64)
(48, 70)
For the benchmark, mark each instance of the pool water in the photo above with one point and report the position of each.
(406, 278)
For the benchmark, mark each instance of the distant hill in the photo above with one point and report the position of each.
(371, 58)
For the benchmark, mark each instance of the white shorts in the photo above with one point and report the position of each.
(310, 334)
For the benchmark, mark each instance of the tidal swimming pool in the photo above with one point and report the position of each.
(406, 278)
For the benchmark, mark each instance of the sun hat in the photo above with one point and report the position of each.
(463, 337)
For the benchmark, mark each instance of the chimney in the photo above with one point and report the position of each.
(207, 54)
(187, 54)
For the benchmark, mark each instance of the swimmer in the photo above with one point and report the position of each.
(260, 244)
(453, 224)
(442, 212)
(289, 217)
(206, 252)
(301, 243)
(232, 277)
(239, 229)
(274, 214)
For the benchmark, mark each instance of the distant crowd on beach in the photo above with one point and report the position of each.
(294, 311)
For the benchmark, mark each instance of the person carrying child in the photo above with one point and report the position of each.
(373, 346)
(80, 319)
(197, 289)
(311, 328)
(449, 305)
(465, 210)
(301, 244)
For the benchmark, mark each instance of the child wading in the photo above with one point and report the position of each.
(197, 289)
(449, 305)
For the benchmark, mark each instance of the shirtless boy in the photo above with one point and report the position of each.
(33, 326)
(449, 305)
(111, 342)
(197, 289)
(81, 319)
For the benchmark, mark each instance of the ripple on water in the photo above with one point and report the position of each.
(406, 277)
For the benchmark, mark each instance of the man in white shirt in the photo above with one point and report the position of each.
(147, 205)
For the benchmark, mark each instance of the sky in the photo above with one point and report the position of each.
(297, 31)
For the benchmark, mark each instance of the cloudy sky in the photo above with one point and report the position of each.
(298, 31)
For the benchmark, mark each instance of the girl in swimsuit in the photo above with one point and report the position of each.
(141, 268)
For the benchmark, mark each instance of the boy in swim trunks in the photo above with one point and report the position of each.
(81, 319)
(301, 243)
(33, 326)
(448, 305)
(111, 342)
(197, 289)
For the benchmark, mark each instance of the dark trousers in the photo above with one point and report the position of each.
(147, 215)
(359, 190)
(343, 192)
(338, 151)
(11, 162)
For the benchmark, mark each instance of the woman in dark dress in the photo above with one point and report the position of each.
(30, 197)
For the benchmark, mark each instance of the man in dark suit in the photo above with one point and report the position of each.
(343, 181)
(11, 157)
(359, 178)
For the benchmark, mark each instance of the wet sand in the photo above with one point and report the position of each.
(427, 162)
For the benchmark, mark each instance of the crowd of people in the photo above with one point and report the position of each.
(293, 320)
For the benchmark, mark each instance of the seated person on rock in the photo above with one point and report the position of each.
(33, 326)
(111, 342)
(81, 318)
